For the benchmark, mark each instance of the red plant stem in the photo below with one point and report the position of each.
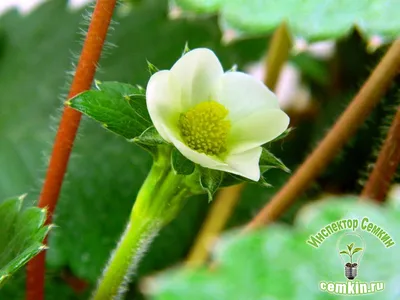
(386, 165)
(354, 115)
(66, 133)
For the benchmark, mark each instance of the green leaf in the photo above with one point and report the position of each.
(119, 89)
(119, 107)
(350, 247)
(310, 19)
(207, 6)
(254, 265)
(345, 252)
(269, 161)
(135, 95)
(181, 164)
(210, 181)
(21, 235)
(357, 250)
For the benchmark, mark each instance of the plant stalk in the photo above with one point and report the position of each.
(386, 165)
(158, 202)
(354, 115)
(134, 242)
(66, 133)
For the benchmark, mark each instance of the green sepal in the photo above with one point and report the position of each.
(149, 137)
(152, 68)
(233, 68)
(263, 182)
(119, 107)
(21, 235)
(269, 161)
(210, 181)
(186, 49)
(233, 179)
(181, 164)
(283, 134)
(149, 140)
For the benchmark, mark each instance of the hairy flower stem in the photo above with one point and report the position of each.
(134, 242)
(159, 201)
(354, 115)
(66, 133)
(386, 165)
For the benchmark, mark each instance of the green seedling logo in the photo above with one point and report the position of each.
(350, 254)
(350, 267)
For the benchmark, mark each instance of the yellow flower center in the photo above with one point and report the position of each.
(204, 128)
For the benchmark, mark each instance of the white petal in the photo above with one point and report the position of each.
(163, 101)
(246, 163)
(243, 94)
(198, 158)
(202, 159)
(257, 128)
(198, 72)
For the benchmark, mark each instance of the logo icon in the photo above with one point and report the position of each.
(350, 247)
(351, 254)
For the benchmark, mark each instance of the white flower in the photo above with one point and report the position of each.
(215, 119)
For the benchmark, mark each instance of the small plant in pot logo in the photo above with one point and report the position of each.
(350, 268)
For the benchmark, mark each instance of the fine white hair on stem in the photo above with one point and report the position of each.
(134, 257)
(55, 117)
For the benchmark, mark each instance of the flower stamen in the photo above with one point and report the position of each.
(204, 128)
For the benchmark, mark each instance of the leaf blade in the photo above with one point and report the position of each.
(119, 107)
(349, 247)
(331, 19)
(21, 238)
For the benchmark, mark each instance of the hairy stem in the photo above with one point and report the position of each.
(354, 115)
(159, 201)
(66, 134)
(134, 242)
(226, 200)
(386, 165)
